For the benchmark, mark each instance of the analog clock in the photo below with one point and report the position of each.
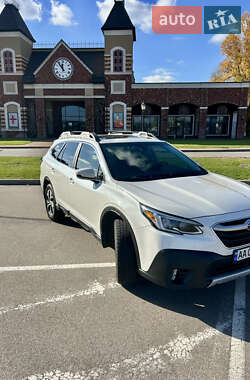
(63, 68)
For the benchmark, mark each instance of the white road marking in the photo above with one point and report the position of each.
(94, 289)
(237, 353)
(56, 267)
(141, 365)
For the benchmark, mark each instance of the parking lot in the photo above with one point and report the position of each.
(63, 316)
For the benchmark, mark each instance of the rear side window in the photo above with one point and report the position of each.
(57, 149)
(68, 153)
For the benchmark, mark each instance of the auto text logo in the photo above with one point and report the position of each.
(189, 20)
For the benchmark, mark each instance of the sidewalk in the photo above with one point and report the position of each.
(32, 145)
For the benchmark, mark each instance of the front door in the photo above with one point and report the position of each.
(69, 117)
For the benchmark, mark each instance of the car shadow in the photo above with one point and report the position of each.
(213, 306)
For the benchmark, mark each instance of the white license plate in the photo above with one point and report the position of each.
(241, 254)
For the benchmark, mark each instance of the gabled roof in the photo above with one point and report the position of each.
(119, 19)
(93, 58)
(12, 21)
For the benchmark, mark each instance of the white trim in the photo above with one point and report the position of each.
(165, 108)
(54, 50)
(5, 92)
(112, 73)
(242, 108)
(191, 85)
(123, 82)
(63, 86)
(121, 32)
(112, 59)
(203, 108)
(15, 35)
(6, 116)
(64, 97)
(12, 74)
(14, 60)
(111, 115)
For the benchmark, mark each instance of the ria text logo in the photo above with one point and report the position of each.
(222, 20)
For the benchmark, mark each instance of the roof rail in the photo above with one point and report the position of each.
(141, 134)
(79, 134)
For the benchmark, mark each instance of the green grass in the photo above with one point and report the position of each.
(29, 167)
(237, 168)
(19, 167)
(13, 142)
(210, 143)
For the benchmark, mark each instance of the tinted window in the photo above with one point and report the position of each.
(87, 158)
(68, 153)
(56, 150)
(148, 161)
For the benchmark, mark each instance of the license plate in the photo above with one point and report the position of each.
(241, 254)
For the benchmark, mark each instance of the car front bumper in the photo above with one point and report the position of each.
(186, 269)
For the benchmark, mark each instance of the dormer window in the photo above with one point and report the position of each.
(8, 61)
(118, 60)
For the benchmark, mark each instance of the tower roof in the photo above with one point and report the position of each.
(119, 19)
(12, 21)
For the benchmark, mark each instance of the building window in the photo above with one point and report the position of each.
(12, 116)
(118, 116)
(10, 88)
(118, 60)
(73, 117)
(118, 87)
(218, 125)
(8, 61)
(180, 126)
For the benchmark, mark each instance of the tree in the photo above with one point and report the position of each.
(236, 49)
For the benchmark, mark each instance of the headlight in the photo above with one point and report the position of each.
(170, 223)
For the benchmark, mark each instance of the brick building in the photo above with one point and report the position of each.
(44, 91)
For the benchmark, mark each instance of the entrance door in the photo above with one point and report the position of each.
(70, 116)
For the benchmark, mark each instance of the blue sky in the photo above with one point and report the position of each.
(156, 57)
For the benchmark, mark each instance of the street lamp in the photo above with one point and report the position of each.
(143, 109)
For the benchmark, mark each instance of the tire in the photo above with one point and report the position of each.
(126, 265)
(55, 214)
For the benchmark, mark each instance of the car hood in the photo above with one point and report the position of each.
(191, 197)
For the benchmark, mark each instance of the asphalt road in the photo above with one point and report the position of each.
(63, 316)
(30, 152)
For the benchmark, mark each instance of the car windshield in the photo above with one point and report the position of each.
(147, 161)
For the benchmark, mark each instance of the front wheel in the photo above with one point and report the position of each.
(53, 212)
(126, 265)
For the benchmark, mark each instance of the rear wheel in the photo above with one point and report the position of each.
(126, 265)
(53, 212)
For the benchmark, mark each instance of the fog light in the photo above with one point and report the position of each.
(174, 274)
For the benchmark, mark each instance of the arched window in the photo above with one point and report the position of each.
(12, 113)
(118, 60)
(8, 61)
(118, 115)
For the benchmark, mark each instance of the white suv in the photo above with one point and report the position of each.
(168, 219)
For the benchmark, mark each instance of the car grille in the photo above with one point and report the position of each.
(234, 233)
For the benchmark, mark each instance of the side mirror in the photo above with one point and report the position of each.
(88, 174)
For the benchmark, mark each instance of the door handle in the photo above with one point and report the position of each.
(71, 181)
(53, 170)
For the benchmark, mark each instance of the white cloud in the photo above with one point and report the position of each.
(217, 38)
(29, 9)
(139, 11)
(180, 62)
(61, 14)
(159, 75)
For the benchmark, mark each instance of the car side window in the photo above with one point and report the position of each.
(67, 155)
(87, 158)
(57, 149)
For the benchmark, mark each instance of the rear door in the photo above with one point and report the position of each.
(64, 174)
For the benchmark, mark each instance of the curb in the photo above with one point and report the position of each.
(36, 182)
(19, 182)
(23, 147)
